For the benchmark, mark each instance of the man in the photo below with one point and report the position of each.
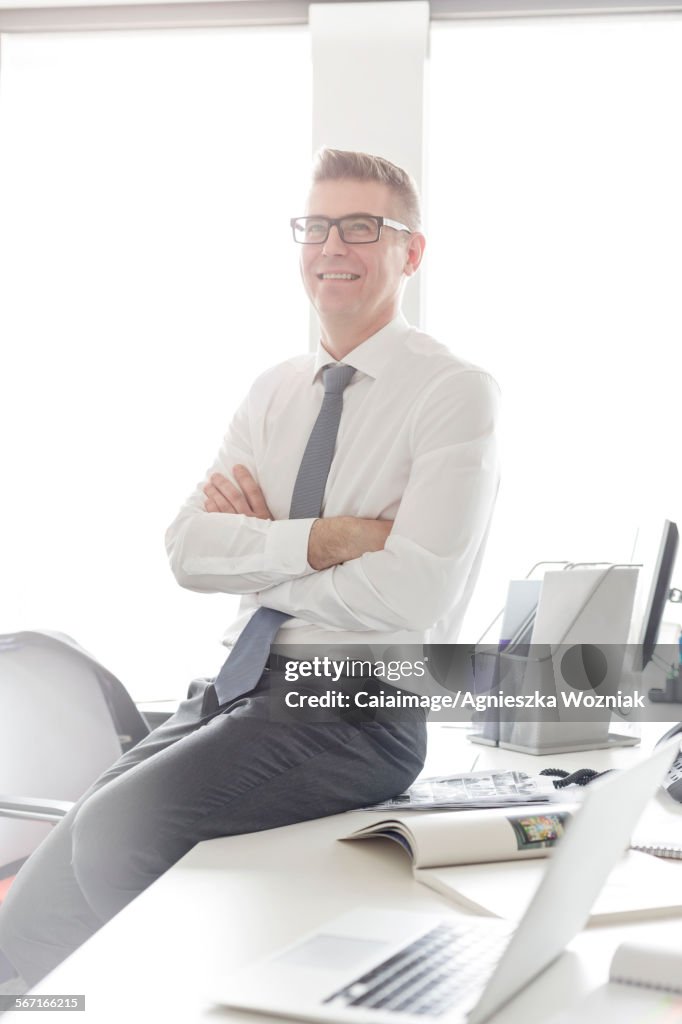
(349, 505)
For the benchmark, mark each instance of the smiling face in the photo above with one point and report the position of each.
(357, 287)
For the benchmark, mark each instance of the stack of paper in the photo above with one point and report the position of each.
(473, 790)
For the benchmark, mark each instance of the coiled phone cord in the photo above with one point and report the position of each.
(581, 777)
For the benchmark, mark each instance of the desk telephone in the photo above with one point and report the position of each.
(673, 780)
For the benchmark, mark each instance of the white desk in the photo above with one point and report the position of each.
(230, 900)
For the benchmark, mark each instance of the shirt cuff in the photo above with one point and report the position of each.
(286, 547)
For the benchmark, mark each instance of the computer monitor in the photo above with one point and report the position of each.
(658, 595)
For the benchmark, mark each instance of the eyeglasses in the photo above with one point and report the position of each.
(356, 228)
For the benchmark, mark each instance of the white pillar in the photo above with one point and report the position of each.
(368, 90)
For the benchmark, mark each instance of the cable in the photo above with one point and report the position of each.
(580, 777)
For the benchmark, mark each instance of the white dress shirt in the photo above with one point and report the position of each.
(416, 445)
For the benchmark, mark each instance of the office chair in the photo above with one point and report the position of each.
(64, 719)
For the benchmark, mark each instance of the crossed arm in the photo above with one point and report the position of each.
(346, 572)
(330, 542)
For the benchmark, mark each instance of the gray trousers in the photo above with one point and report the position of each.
(208, 771)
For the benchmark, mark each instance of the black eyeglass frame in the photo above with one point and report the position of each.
(381, 222)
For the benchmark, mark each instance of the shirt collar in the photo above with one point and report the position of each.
(372, 355)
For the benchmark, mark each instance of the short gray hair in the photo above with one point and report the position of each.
(339, 164)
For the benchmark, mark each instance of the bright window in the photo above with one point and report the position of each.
(147, 276)
(554, 261)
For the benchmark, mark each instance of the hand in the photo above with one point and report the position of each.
(341, 538)
(247, 498)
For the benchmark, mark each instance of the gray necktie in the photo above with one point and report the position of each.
(246, 661)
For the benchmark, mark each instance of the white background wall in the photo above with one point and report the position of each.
(139, 296)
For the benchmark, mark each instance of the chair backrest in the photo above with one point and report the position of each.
(61, 715)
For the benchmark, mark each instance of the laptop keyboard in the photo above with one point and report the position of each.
(445, 968)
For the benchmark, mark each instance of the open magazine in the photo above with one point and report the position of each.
(438, 840)
(459, 856)
(473, 790)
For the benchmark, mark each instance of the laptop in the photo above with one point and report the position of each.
(380, 966)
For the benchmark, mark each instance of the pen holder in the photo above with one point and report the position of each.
(671, 693)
